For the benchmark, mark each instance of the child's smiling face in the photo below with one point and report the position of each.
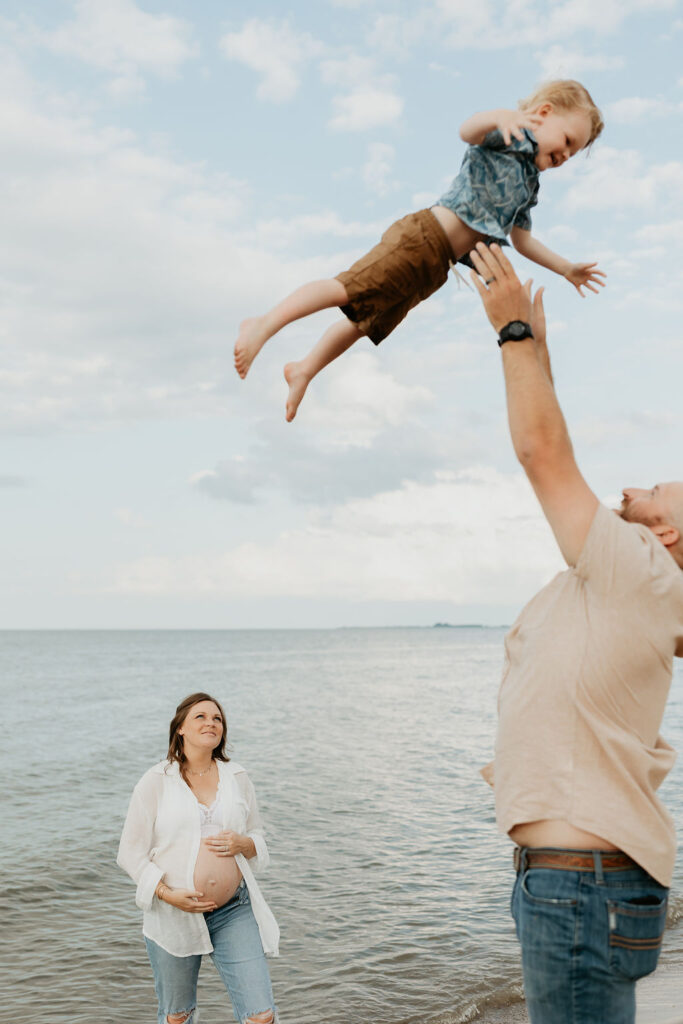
(560, 135)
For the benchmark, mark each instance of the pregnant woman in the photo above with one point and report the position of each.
(192, 839)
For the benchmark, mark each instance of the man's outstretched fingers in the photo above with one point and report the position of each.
(502, 262)
(482, 267)
(478, 283)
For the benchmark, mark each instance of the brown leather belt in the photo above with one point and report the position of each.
(572, 860)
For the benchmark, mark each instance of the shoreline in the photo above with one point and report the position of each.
(658, 1001)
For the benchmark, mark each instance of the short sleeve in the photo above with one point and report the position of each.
(523, 217)
(494, 140)
(621, 558)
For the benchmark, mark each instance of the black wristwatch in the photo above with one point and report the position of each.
(516, 330)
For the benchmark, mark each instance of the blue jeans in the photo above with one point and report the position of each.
(586, 937)
(237, 954)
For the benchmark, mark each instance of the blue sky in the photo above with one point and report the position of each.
(169, 168)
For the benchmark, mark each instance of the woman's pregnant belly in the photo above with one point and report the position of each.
(216, 877)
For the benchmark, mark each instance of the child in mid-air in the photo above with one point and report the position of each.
(491, 197)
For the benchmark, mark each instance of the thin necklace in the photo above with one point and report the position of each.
(190, 771)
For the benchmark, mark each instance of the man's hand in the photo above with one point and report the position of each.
(537, 320)
(504, 297)
(584, 275)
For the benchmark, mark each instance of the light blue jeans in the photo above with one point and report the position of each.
(239, 959)
(586, 937)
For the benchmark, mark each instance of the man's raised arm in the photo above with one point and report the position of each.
(537, 427)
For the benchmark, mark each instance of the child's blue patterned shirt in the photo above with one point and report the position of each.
(496, 186)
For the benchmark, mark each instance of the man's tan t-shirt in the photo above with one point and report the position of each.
(588, 669)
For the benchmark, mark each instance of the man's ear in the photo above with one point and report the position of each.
(667, 534)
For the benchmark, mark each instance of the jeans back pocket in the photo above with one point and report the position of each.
(636, 929)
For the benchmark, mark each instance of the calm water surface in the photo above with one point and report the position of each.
(389, 881)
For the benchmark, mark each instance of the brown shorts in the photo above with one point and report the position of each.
(408, 265)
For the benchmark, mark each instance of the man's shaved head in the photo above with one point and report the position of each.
(661, 509)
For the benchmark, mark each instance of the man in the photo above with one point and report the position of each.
(589, 664)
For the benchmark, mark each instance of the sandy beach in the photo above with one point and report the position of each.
(659, 999)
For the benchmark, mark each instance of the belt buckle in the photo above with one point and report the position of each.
(516, 858)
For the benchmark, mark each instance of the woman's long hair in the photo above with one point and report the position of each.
(175, 740)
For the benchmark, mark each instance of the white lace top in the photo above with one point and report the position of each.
(210, 817)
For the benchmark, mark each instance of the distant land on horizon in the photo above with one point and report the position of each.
(462, 625)
(238, 629)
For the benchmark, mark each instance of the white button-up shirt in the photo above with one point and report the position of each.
(161, 839)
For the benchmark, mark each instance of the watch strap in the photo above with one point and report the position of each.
(515, 330)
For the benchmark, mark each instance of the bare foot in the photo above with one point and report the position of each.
(298, 381)
(249, 343)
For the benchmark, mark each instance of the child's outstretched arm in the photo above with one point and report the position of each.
(508, 122)
(581, 275)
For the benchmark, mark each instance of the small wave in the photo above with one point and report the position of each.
(510, 994)
(675, 911)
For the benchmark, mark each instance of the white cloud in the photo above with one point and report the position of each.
(562, 234)
(120, 271)
(471, 537)
(621, 179)
(282, 233)
(558, 62)
(472, 21)
(361, 399)
(395, 34)
(274, 51)
(378, 169)
(119, 37)
(126, 86)
(371, 99)
(128, 517)
(500, 24)
(598, 430)
(350, 72)
(637, 108)
(443, 69)
(141, 268)
(364, 109)
(667, 234)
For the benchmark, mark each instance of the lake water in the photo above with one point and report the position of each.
(388, 878)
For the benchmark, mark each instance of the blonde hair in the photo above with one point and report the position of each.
(566, 94)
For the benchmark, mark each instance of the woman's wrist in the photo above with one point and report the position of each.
(161, 891)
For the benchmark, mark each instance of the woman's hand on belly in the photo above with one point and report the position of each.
(228, 844)
(190, 900)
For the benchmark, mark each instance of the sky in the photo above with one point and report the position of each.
(168, 168)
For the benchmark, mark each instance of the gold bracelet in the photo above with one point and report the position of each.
(162, 889)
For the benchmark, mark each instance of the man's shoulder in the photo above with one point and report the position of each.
(617, 551)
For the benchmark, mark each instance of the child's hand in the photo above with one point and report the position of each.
(584, 275)
(511, 122)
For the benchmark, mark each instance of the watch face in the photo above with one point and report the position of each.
(517, 329)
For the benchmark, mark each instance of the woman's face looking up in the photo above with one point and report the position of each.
(203, 726)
